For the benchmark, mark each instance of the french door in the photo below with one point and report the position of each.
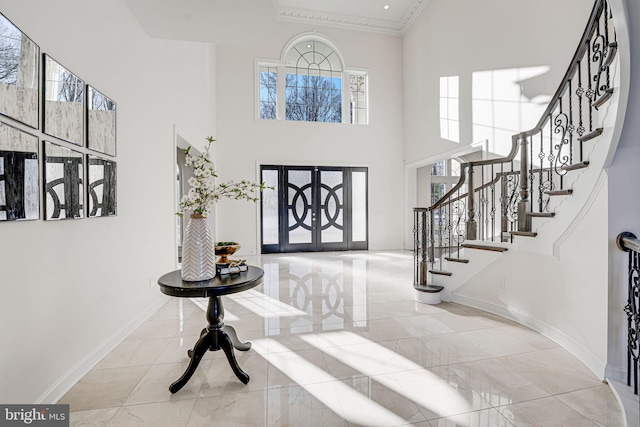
(314, 208)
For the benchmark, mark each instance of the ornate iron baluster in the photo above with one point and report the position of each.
(629, 243)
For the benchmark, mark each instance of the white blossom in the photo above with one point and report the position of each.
(204, 192)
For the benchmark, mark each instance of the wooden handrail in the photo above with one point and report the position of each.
(590, 28)
(627, 241)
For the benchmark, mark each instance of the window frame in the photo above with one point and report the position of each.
(346, 94)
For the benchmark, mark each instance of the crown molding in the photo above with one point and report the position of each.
(359, 23)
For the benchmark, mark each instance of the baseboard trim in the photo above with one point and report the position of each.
(54, 393)
(616, 373)
(629, 402)
(592, 362)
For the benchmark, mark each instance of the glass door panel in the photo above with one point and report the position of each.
(314, 209)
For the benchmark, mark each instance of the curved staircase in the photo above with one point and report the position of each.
(498, 246)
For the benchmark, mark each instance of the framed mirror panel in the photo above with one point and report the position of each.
(63, 182)
(101, 186)
(19, 75)
(63, 103)
(19, 179)
(101, 122)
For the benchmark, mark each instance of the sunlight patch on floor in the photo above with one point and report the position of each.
(336, 395)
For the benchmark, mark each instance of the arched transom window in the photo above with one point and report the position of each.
(312, 85)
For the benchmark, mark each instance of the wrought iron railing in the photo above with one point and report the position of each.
(629, 243)
(509, 191)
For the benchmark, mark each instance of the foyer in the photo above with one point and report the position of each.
(84, 291)
(337, 340)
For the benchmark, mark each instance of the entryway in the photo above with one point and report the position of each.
(314, 208)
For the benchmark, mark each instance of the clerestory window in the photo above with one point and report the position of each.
(312, 85)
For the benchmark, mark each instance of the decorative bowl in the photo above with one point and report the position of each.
(224, 249)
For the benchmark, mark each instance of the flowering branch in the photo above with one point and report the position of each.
(204, 193)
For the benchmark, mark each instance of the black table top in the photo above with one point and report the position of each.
(172, 284)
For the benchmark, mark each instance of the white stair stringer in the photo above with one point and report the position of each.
(586, 184)
(529, 284)
(479, 261)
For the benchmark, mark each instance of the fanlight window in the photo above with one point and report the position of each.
(312, 85)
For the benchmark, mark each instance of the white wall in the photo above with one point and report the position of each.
(246, 142)
(71, 287)
(624, 198)
(458, 38)
(564, 297)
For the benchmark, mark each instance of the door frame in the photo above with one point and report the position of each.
(283, 246)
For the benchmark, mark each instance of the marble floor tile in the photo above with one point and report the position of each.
(555, 370)
(104, 388)
(171, 413)
(92, 417)
(548, 411)
(496, 383)
(484, 418)
(606, 413)
(338, 340)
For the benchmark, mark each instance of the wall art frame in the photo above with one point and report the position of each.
(63, 182)
(63, 94)
(101, 122)
(102, 180)
(19, 175)
(19, 75)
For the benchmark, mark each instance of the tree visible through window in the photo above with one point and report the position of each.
(313, 83)
(268, 94)
(314, 79)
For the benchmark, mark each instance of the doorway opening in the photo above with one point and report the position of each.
(314, 208)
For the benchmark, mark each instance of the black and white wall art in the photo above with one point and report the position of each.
(63, 182)
(101, 122)
(19, 182)
(19, 75)
(63, 103)
(101, 186)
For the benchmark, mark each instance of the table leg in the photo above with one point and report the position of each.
(235, 342)
(201, 347)
(214, 337)
(226, 344)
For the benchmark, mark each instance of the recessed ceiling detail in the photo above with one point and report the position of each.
(395, 20)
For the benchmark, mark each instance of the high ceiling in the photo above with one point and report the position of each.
(241, 20)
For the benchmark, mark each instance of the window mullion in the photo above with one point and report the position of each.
(346, 97)
(281, 93)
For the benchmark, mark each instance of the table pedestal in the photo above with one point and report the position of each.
(214, 337)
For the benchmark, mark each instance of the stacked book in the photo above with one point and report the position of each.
(231, 267)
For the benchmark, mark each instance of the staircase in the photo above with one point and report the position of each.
(519, 194)
(494, 241)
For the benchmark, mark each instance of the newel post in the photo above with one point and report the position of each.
(524, 220)
(472, 225)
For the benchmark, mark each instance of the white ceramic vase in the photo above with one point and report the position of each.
(198, 252)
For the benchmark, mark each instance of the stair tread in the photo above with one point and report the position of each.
(541, 214)
(575, 166)
(524, 233)
(613, 46)
(428, 288)
(441, 272)
(462, 260)
(604, 98)
(592, 134)
(567, 192)
(484, 247)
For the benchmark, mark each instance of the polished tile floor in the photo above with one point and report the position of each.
(337, 340)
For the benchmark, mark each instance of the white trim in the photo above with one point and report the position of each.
(456, 152)
(315, 36)
(54, 393)
(616, 373)
(628, 402)
(589, 359)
